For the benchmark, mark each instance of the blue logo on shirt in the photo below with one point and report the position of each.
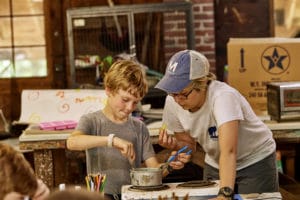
(212, 132)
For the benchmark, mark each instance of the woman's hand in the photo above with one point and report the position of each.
(126, 148)
(180, 160)
(165, 140)
(184, 157)
(42, 191)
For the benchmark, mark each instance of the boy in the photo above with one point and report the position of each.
(113, 135)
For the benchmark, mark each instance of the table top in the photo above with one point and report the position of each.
(287, 136)
(193, 193)
(286, 125)
(205, 192)
(33, 137)
(33, 133)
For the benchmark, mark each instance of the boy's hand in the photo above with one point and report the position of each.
(126, 148)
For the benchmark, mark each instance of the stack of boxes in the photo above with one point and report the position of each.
(253, 62)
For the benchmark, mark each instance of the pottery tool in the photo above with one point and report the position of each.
(172, 158)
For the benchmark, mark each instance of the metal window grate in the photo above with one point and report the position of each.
(150, 32)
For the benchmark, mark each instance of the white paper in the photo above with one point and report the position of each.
(56, 105)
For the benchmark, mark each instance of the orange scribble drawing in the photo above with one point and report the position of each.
(60, 94)
(63, 107)
(88, 99)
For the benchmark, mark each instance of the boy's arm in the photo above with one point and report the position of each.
(81, 141)
(152, 162)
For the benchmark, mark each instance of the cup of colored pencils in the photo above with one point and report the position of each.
(95, 182)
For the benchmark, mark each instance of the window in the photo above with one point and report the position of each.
(22, 39)
(147, 32)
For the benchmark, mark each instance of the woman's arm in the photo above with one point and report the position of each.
(228, 137)
(176, 141)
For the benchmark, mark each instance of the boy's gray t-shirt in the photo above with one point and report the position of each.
(108, 160)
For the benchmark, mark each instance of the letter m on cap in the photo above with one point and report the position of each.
(172, 66)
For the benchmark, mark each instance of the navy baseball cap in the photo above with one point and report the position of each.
(182, 68)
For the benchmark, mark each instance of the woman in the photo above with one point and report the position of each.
(239, 147)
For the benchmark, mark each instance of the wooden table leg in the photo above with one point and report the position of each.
(60, 167)
(43, 164)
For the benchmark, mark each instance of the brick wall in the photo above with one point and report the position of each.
(175, 35)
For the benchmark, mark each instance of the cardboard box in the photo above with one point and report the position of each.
(253, 62)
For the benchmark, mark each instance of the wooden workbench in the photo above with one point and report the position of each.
(287, 137)
(49, 156)
(50, 153)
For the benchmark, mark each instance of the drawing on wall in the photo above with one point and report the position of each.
(54, 105)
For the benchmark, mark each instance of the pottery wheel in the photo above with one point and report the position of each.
(149, 188)
(197, 183)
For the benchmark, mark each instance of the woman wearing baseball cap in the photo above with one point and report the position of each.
(239, 147)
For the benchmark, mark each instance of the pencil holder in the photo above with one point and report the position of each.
(93, 161)
(95, 180)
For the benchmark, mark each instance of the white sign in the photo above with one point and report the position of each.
(55, 105)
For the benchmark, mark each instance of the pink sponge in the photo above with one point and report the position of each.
(58, 125)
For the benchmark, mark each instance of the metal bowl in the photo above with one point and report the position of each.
(146, 176)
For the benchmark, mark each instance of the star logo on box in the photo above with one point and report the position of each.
(275, 60)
